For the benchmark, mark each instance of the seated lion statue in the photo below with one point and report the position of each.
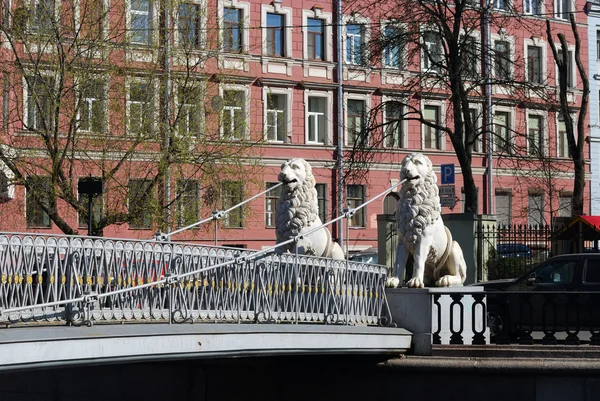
(438, 260)
(298, 212)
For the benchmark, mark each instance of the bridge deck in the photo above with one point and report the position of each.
(32, 347)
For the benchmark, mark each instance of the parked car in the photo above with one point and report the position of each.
(555, 295)
(513, 250)
(369, 256)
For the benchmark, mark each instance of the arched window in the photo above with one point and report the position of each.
(390, 203)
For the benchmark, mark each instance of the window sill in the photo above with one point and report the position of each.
(317, 69)
(234, 61)
(355, 72)
(276, 65)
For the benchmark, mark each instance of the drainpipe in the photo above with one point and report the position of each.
(340, 126)
(488, 96)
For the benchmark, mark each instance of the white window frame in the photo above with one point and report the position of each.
(475, 36)
(367, 102)
(237, 88)
(423, 56)
(105, 19)
(202, 28)
(511, 43)
(288, 93)
(404, 123)
(245, 34)
(327, 18)
(402, 49)
(105, 81)
(328, 96)
(559, 12)
(276, 8)
(153, 20)
(442, 108)
(543, 130)
(32, 5)
(511, 127)
(544, 59)
(154, 103)
(496, 6)
(571, 52)
(199, 105)
(478, 107)
(540, 3)
(366, 37)
(41, 74)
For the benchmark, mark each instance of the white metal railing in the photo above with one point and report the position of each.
(84, 280)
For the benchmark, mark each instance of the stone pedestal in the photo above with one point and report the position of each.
(387, 240)
(458, 316)
(463, 226)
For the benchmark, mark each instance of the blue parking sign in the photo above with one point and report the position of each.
(447, 174)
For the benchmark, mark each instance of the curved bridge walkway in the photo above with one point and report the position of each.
(64, 299)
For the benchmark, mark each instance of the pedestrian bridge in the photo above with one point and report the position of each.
(65, 299)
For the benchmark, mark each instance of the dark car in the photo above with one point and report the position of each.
(556, 295)
(513, 251)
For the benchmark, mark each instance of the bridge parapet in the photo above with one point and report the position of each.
(82, 280)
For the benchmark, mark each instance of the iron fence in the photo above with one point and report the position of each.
(82, 280)
(509, 251)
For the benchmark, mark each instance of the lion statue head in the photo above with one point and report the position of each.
(297, 207)
(419, 203)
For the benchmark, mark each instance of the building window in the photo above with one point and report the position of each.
(141, 21)
(139, 106)
(563, 143)
(43, 15)
(36, 199)
(322, 201)
(271, 201)
(500, 4)
(356, 115)
(565, 204)
(432, 52)
(40, 101)
(569, 68)
(533, 7)
(503, 208)
(393, 51)
(394, 132)
(189, 117)
(502, 131)
(315, 45)
(431, 135)
(597, 45)
(356, 197)
(534, 64)
(189, 25)
(535, 210)
(275, 35)
(474, 116)
(562, 8)
(535, 145)
(276, 117)
(188, 202)
(317, 124)
(355, 40)
(502, 60)
(141, 204)
(97, 209)
(232, 30)
(92, 109)
(470, 55)
(234, 114)
(232, 193)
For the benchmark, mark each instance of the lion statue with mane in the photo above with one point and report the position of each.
(438, 260)
(298, 213)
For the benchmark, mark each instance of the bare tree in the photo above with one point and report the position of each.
(88, 98)
(575, 134)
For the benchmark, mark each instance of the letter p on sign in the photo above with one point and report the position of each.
(447, 174)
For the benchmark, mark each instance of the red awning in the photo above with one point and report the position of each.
(585, 227)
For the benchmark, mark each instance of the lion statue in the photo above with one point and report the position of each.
(298, 212)
(438, 260)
